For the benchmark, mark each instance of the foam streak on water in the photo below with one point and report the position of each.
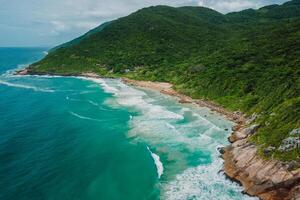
(16, 85)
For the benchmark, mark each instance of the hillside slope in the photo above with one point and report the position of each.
(248, 60)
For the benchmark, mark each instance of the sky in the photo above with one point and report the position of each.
(51, 22)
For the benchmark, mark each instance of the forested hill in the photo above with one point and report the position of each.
(248, 60)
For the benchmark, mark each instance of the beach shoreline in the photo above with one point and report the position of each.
(167, 89)
(266, 179)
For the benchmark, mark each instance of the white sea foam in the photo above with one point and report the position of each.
(202, 183)
(47, 76)
(107, 88)
(25, 86)
(87, 92)
(203, 119)
(86, 118)
(10, 73)
(92, 86)
(170, 126)
(158, 163)
(88, 101)
(93, 103)
(133, 98)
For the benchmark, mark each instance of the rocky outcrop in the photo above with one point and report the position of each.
(242, 133)
(22, 72)
(295, 132)
(292, 142)
(267, 179)
(289, 143)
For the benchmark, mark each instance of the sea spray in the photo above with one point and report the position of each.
(158, 163)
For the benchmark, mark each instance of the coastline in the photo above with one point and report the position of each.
(266, 179)
(167, 89)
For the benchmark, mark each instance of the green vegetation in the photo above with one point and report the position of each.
(248, 60)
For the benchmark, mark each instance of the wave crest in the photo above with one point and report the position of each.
(157, 162)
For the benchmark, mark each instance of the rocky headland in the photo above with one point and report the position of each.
(267, 179)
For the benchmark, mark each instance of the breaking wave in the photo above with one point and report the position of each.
(158, 163)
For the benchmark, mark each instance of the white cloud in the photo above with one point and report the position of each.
(229, 6)
(201, 3)
(226, 6)
(57, 21)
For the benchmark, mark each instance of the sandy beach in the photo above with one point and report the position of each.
(167, 88)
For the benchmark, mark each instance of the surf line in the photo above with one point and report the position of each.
(157, 162)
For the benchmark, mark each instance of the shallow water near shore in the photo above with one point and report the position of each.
(83, 138)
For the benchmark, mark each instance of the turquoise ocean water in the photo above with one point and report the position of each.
(75, 138)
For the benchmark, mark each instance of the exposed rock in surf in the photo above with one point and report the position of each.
(221, 150)
(22, 72)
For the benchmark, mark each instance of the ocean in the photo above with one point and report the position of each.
(98, 139)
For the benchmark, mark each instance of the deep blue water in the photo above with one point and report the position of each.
(76, 138)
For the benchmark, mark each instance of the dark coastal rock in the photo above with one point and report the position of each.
(221, 150)
(269, 150)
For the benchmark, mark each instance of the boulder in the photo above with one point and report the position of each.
(221, 150)
(292, 165)
(289, 144)
(251, 130)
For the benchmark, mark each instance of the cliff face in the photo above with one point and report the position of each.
(267, 179)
